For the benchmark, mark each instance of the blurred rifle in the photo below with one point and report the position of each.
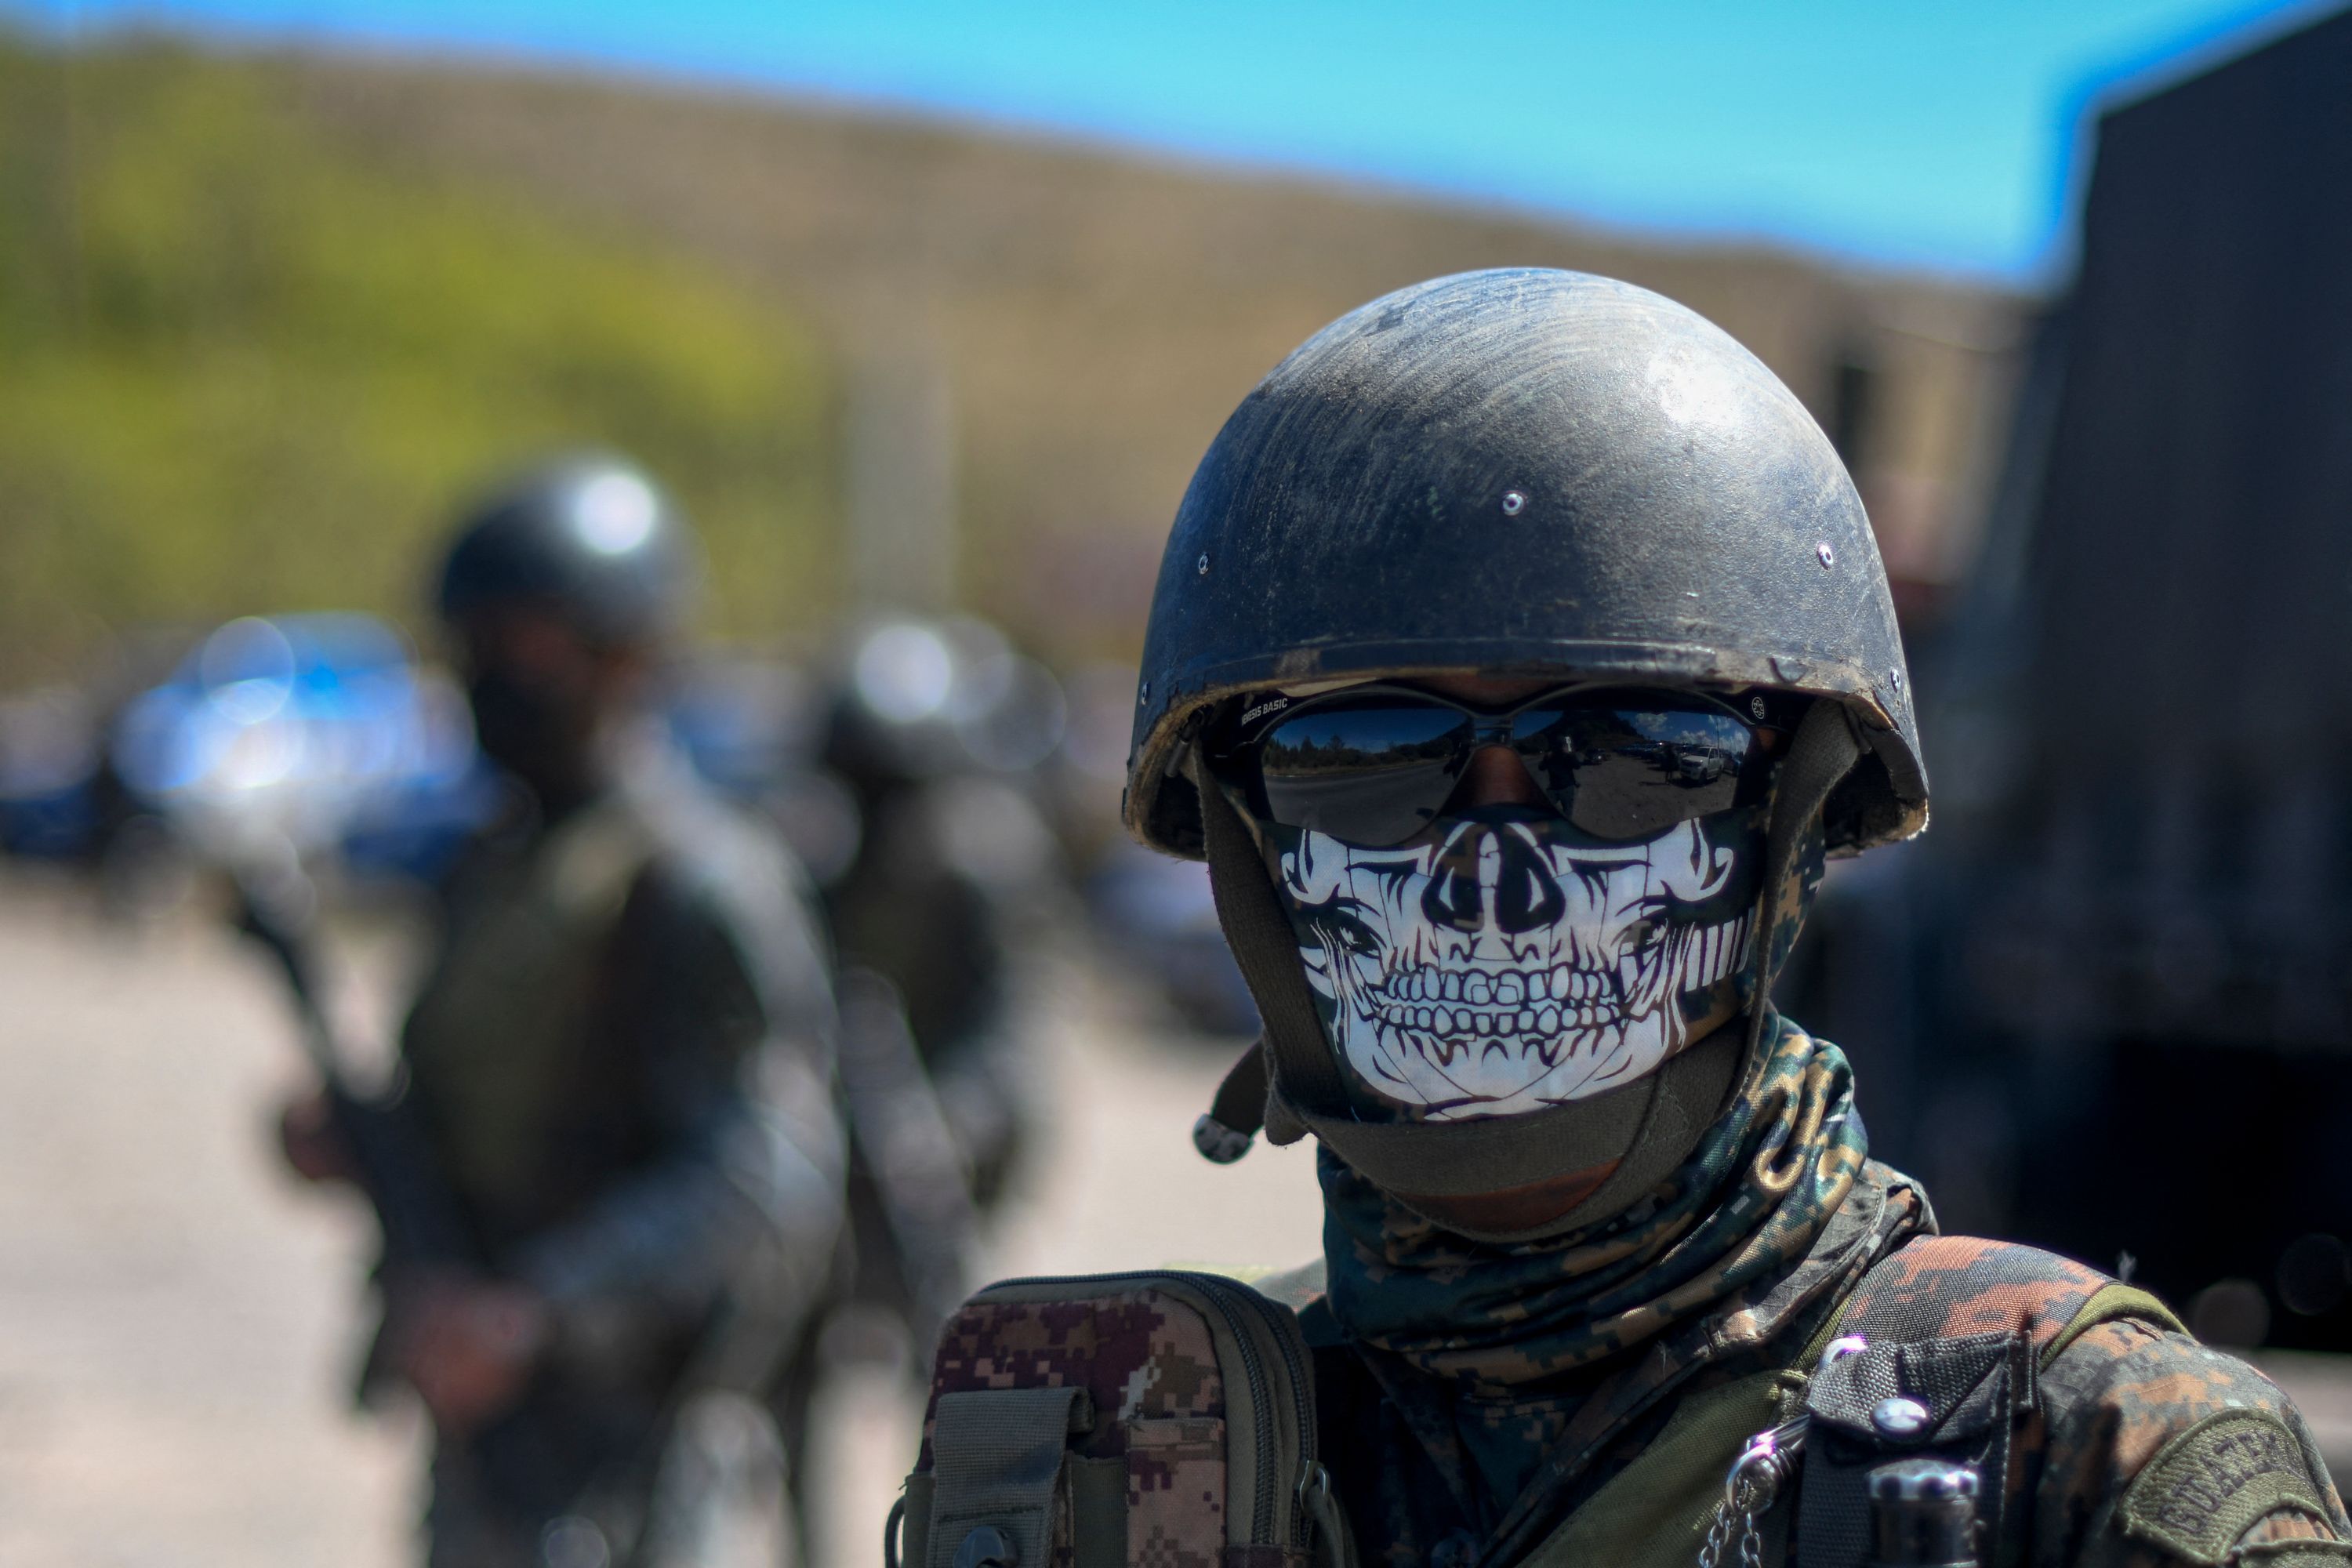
(909, 1149)
(415, 1209)
(424, 1229)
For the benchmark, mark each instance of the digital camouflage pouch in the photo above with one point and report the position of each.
(1147, 1420)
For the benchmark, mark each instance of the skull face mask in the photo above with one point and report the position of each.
(1503, 961)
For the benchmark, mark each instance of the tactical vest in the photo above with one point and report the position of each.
(495, 1041)
(1957, 1328)
(1150, 1420)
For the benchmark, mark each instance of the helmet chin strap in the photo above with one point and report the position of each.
(1289, 1082)
(1827, 745)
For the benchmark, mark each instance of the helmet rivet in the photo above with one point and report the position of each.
(1143, 695)
(1829, 556)
(1201, 565)
(1895, 677)
(1514, 502)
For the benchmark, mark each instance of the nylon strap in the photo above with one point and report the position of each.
(1238, 1112)
(1833, 1518)
(1267, 950)
(997, 1457)
(1824, 751)
(2114, 1301)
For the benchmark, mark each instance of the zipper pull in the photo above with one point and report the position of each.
(1333, 1546)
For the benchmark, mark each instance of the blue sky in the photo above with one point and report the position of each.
(1917, 132)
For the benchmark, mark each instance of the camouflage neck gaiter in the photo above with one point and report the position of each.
(1505, 1326)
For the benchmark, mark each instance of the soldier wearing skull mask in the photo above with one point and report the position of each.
(1520, 651)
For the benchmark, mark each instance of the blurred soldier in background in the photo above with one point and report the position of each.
(934, 730)
(619, 1066)
(930, 731)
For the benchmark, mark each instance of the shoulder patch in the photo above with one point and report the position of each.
(2209, 1485)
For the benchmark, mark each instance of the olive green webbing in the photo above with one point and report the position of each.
(998, 1458)
(2111, 1302)
(1304, 1071)
(1239, 1103)
(491, 1059)
(1824, 751)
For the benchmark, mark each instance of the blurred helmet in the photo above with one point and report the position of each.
(590, 534)
(923, 698)
(1524, 472)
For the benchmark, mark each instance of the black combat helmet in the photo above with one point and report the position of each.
(1532, 473)
(921, 699)
(590, 534)
(1524, 471)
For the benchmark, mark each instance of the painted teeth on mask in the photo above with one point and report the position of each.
(1552, 1012)
(1542, 1002)
(1514, 992)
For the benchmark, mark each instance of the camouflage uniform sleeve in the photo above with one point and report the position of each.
(732, 1035)
(2161, 1451)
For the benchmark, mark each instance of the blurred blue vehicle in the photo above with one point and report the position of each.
(314, 733)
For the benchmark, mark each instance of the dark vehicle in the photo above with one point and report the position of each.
(2113, 981)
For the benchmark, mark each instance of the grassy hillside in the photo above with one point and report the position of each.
(247, 368)
(279, 305)
(1098, 314)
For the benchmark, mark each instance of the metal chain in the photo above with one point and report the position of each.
(1711, 1555)
(1749, 1491)
(1743, 1500)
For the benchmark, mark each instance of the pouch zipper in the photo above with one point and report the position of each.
(1223, 1293)
(1218, 1286)
(1282, 1326)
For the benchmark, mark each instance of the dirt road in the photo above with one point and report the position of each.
(176, 1315)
